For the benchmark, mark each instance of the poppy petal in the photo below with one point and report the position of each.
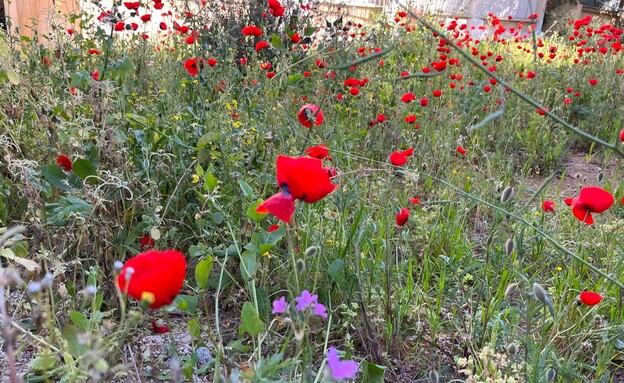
(304, 178)
(590, 298)
(582, 214)
(596, 199)
(281, 205)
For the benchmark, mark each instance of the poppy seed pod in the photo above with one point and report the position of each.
(539, 293)
(512, 349)
(300, 265)
(507, 193)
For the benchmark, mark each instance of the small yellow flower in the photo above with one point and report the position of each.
(235, 104)
(237, 124)
(559, 268)
(454, 171)
(195, 178)
(537, 213)
(468, 177)
(267, 255)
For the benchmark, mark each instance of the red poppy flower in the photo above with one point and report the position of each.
(410, 119)
(159, 329)
(119, 26)
(381, 118)
(94, 52)
(277, 12)
(261, 45)
(354, 91)
(424, 101)
(622, 135)
(295, 38)
(592, 199)
(542, 111)
(401, 14)
(437, 93)
(147, 242)
(134, 26)
(191, 67)
(593, 82)
(212, 62)
(154, 276)
(270, 75)
(251, 30)
(461, 150)
(145, 18)
(400, 158)
(548, 206)
(301, 178)
(70, 31)
(95, 75)
(590, 298)
(402, 217)
(408, 97)
(309, 113)
(274, 4)
(132, 5)
(415, 201)
(64, 162)
(162, 26)
(317, 151)
(159, 5)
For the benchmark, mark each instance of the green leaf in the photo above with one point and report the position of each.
(13, 77)
(202, 272)
(418, 75)
(44, 361)
(135, 119)
(308, 31)
(80, 320)
(276, 41)
(237, 345)
(186, 303)
(75, 347)
(55, 176)
(295, 78)
(194, 328)
(373, 373)
(251, 321)
(251, 211)
(210, 182)
(248, 265)
(261, 242)
(247, 190)
(336, 270)
(84, 168)
(208, 138)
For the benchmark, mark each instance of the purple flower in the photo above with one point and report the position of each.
(280, 306)
(340, 369)
(305, 300)
(320, 310)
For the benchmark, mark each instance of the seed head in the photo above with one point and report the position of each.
(507, 193)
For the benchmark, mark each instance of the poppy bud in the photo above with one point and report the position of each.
(539, 293)
(300, 266)
(433, 376)
(507, 193)
(311, 251)
(551, 374)
(510, 246)
(512, 292)
(512, 349)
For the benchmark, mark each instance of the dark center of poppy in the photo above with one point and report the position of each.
(284, 187)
